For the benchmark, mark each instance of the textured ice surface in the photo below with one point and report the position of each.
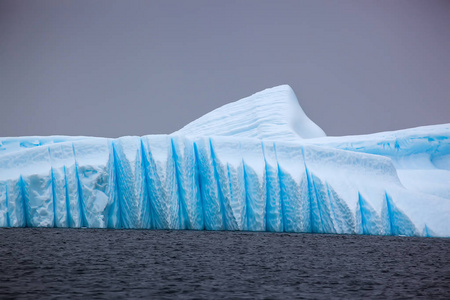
(238, 170)
(420, 155)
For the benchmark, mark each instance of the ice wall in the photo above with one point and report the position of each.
(220, 183)
(258, 164)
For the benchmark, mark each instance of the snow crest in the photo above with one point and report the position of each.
(270, 114)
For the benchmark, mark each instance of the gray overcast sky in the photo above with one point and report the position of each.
(107, 68)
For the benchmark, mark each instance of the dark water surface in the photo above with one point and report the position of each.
(89, 263)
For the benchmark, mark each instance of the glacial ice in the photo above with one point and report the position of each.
(259, 164)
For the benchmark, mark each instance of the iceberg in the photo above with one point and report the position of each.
(258, 164)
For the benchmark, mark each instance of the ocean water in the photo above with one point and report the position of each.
(91, 263)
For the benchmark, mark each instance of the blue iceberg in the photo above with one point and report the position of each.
(258, 164)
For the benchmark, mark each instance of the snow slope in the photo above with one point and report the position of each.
(271, 114)
(235, 171)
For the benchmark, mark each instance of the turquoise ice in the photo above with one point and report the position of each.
(258, 164)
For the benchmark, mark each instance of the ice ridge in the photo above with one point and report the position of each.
(270, 114)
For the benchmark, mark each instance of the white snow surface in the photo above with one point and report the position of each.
(258, 164)
(270, 114)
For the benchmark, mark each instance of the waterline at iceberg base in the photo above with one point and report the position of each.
(258, 164)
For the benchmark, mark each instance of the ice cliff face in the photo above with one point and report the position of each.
(258, 164)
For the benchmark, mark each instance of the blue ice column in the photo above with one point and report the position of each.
(294, 188)
(209, 185)
(67, 206)
(162, 182)
(184, 156)
(26, 187)
(97, 183)
(131, 182)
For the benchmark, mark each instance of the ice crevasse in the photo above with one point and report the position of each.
(258, 164)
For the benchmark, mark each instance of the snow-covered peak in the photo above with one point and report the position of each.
(270, 114)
